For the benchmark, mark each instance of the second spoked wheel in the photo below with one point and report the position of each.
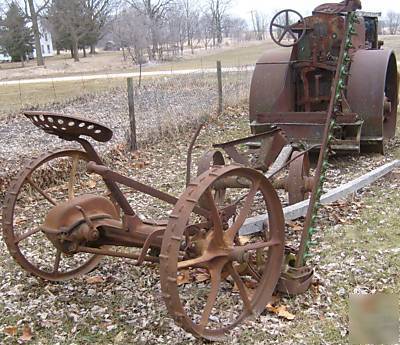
(46, 181)
(212, 278)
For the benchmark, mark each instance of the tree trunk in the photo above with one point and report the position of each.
(36, 33)
(22, 61)
(92, 49)
(58, 51)
(75, 50)
(72, 52)
(84, 51)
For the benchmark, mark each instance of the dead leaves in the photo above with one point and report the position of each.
(95, 280)
(92, 184)
(187, 276)
(281, 311)
(26, 334)
(295, 226)
(13, 331)
(183, 277)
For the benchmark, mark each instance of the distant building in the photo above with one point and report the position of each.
(4, 57)
(46, 43)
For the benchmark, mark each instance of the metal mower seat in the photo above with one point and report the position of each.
(69, 127)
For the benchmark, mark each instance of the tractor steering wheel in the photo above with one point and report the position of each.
(282, 22)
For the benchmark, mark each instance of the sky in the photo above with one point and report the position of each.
(243, 8)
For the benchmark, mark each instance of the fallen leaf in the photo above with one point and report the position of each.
(244, 240)
(202, 277)
(92, 184)
(95, 280)
(297, 228)
(139, 165)
(285, 314)
(183, 278)
(26, 334)
(10, 330)
(280, 311)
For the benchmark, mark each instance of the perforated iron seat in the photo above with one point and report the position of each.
(68, 127)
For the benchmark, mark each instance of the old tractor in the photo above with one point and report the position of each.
(292, 85)
(65, 210)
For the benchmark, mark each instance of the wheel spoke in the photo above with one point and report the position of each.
(287, 18)
(278, 26)
(218, 231)
(241, 287)
(57, 261)
(255, 246)
(282, 36)
(232, 231)
(253, 272)
(292, 34)
(41, 192)
(72, 177)
(26, 235)
(215, 274)
(196, 262)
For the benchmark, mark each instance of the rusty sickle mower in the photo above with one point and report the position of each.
(328, 92)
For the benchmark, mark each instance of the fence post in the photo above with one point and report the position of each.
(219, 76)
(131, 105)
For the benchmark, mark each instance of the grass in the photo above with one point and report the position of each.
(16, 97)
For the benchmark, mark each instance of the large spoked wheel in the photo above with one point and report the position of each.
(299, 180)
(211, 277)
(282, 26)
(45, 182)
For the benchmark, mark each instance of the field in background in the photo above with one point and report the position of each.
(112, 62)
(13, 98)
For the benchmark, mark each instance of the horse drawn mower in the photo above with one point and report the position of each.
(317, 96)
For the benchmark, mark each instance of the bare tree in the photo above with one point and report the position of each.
(234, 27)
(206, 29)
(71, 18)
(155, 11)
(393, 22)
(130, 31)
(191, 15)
(260, 23)
(33, 13)
(218, 10)
(98, 14)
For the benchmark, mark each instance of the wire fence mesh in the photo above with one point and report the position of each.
(164, 105)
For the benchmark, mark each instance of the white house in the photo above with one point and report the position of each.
(4, 57)
(46, 42)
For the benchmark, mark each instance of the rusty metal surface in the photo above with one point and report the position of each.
(271, 85)
(299, 182)
(284, 24)
(291, 88)
(298, 81)
(262, 149)
(13, 239)
(67, 127)
(219, 250)
(373, 76)
(341, 7)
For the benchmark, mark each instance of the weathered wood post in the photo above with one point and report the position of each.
(220, 99)
(132, 143)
